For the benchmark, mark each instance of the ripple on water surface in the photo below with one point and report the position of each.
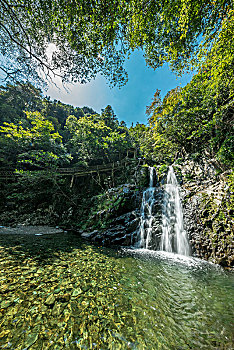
(58, 292)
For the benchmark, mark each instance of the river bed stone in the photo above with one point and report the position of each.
(71, 295)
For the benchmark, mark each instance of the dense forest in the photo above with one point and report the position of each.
(44, 133)
(39, 136)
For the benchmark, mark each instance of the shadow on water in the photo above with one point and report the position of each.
(45, 248)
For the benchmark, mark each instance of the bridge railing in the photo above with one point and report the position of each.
(78, 171)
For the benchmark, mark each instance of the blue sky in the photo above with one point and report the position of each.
(129, 102)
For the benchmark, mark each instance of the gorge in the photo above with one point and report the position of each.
(116, 206)
(146, 279)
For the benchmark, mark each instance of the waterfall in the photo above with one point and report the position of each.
(146, 213)
(174, 237)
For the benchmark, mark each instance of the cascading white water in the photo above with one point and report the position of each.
(174, 237)
(146, 213)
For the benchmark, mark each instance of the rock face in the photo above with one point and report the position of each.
(119, 221)
(120, 232)
(208, 211)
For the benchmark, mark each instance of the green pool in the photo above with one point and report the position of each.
(58, 292)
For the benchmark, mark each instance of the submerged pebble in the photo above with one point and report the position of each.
(66, 294)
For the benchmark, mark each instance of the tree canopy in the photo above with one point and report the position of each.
(91, 37)
(31, 142)
(199, 117)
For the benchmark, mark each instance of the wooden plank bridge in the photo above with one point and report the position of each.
(75, 172)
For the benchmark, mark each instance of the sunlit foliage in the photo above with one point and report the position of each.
(199, 117)
(76, 40)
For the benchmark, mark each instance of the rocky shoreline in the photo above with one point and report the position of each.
(37, 230)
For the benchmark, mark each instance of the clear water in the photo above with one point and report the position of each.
(174, 237)
(106, 299)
